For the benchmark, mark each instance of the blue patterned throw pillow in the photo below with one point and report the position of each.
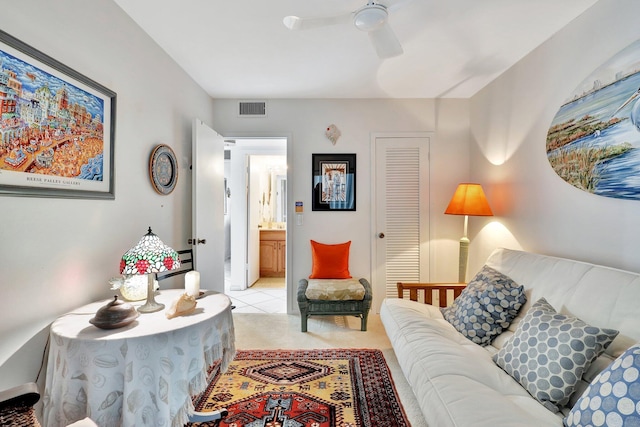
(549, 353)
(486, 307)
(613, 397)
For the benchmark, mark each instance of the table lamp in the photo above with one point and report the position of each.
(469, 199)
(149, 256)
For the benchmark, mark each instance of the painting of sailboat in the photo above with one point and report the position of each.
(593, 140)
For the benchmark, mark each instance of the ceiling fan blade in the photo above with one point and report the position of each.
(297, 23)
(385, 42)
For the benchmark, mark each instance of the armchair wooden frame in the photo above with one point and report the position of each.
(428, 289)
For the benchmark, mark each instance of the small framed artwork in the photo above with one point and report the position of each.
(57, 127)
(334, 182)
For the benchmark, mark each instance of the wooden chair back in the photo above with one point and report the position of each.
(186, 265)
(445, 293)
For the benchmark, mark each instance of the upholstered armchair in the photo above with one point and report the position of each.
(330, 289)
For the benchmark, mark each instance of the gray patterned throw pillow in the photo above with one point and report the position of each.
(486, 307)
(550, 351)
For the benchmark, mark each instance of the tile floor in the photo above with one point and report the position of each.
(258, 300)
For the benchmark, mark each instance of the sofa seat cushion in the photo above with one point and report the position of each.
(549, 353)
(486, 307)
(454, 380)
(335, 290)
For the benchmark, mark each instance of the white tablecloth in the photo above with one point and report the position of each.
(143, 374)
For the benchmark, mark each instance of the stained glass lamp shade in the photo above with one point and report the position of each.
(149, 256)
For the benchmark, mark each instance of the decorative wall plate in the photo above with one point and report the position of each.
(163, 169)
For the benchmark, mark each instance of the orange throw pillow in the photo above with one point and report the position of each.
(330, 261)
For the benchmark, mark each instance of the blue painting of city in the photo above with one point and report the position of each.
(594, 138)
(48, 126)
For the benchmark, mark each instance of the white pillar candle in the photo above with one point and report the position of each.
(192, 283)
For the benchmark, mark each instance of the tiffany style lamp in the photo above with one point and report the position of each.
(149, 256)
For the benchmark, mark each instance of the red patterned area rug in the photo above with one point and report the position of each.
(305, 388)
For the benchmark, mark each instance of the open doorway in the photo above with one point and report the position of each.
(256, 224)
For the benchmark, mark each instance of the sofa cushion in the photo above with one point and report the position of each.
(335, 290)
(549, 352)
(486, 306)
(613, 397)
(330, 261)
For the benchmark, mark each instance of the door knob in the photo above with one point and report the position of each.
(381, 235)
(197, 241)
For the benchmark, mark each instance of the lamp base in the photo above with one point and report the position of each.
(462, 261)
(151, 306)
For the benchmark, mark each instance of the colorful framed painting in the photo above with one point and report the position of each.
(334, 182)
(593, 140)
(57, 127)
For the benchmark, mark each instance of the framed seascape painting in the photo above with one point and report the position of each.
(56, 127)
(593, 140)
(334, 182)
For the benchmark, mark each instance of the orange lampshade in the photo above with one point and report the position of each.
(469, 199)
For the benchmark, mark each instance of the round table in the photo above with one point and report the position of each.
(142, 374)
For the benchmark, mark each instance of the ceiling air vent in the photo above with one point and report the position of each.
(252, 109)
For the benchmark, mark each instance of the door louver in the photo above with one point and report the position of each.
(403, 217)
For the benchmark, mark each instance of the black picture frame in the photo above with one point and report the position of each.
(333, 182)
(57, 133)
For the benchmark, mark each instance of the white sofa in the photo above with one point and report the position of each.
(457, 383)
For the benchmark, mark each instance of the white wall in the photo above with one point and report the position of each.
(535, 209)
(56, 254)
(306, 120)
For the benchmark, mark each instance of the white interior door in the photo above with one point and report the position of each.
(208, 205)
(253, 220)
(401, 208)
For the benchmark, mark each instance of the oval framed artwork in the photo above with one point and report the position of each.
(594, 137)
(163, 169)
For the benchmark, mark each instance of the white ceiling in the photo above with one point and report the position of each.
(452, 48)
